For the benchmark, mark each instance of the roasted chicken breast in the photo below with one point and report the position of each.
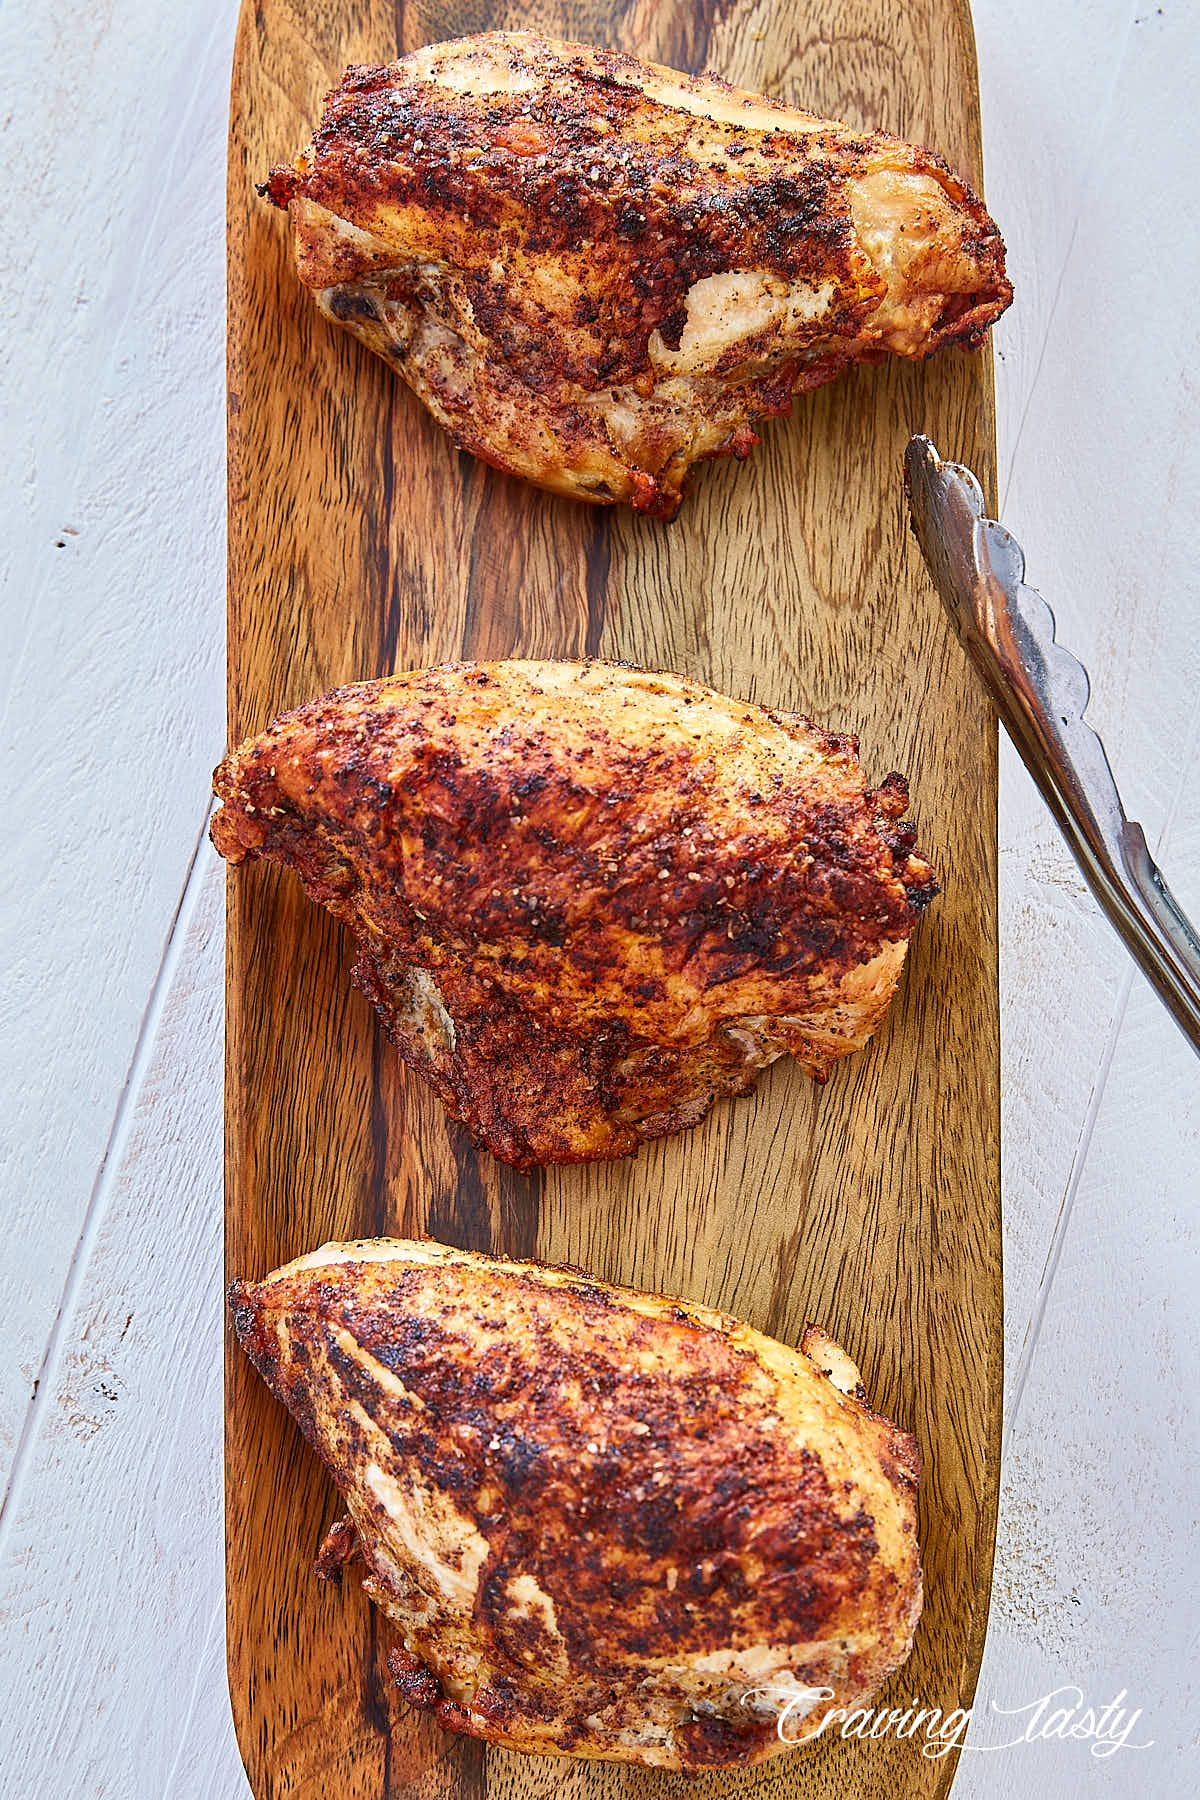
(589, 898)
(601, 1522)
(594, 271)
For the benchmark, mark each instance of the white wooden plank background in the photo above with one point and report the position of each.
(111, 1655)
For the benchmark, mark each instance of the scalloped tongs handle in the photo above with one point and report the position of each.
(1041, 692)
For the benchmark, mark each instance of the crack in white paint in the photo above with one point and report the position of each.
(46, 1384)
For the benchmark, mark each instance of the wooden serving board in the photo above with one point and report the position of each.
(360, 542)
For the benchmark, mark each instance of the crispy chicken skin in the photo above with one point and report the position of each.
(602, 1523)
(589, 899)
(595, 271)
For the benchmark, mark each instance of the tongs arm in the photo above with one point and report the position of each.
(1041, 692)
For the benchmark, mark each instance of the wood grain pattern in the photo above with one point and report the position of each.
(361, 541)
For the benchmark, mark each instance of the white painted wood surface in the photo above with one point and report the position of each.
(111, 1655)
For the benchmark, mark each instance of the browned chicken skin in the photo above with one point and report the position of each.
(602, 1523)
(589, 899)
(595, 271)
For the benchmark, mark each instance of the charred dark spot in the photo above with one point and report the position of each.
(417, 1684)
(347, 304)
(711, 1741)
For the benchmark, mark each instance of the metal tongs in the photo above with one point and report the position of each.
(1041, 692)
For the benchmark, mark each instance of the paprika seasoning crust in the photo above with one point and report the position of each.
(596, 271)
(589, 899)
